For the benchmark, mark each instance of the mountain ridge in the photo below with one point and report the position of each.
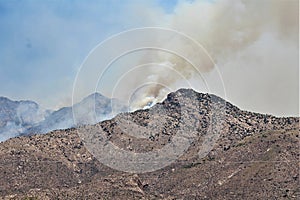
(44, 121)
(255, 156)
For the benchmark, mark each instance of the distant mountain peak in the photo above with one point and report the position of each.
(91, 109)
(96, 95)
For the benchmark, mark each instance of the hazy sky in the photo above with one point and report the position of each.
(44, 42)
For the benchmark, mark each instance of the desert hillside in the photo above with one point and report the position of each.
(253, 156)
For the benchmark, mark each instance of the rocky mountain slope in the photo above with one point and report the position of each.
(249, 155)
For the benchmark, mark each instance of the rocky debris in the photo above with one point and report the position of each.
(255, 156)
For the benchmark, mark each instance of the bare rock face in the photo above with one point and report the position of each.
(249, 155)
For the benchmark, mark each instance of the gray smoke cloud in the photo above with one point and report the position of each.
(226, 27)
(236, 34)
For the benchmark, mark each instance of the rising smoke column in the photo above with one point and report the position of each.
(225, 28)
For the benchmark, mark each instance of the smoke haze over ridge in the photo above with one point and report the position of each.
(254, 44)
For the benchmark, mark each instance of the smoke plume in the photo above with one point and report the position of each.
(226, 29)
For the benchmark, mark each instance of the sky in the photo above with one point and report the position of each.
(255, 46)
(43, 43)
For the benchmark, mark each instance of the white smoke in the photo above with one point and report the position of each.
(230, 31)
(226, 27)
(30, 113)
